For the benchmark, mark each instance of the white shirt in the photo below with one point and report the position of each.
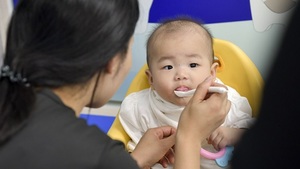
(145, 109)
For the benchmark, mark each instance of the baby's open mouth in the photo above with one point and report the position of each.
(212, 89)
(185, 93)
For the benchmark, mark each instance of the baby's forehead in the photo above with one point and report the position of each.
(178, 28)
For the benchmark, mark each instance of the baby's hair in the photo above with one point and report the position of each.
(177, 24)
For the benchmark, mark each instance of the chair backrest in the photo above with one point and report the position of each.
(239, 72)
(235, 70)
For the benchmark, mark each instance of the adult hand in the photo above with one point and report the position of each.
(202, 115)
(155, 146)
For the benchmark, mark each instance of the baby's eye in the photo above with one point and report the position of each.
(194, 65)
(168, 67)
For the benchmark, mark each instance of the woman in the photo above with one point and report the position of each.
(63, 55)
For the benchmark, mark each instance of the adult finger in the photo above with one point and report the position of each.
(165, 131)
(202, 89)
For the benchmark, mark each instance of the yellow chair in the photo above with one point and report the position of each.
(235, 70)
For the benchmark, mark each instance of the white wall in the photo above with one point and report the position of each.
(6, 8)
(1, 52)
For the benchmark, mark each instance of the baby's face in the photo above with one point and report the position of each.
(179, 61)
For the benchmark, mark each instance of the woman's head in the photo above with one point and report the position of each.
(58, 43)
(61, 42)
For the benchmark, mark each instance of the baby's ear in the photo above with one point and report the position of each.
(149, 75)
(213, 69)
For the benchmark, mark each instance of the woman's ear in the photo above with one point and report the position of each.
(113, 65)
(213, 69)
(149, 75)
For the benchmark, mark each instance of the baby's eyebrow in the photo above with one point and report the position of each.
(163, 58)
(194, 56)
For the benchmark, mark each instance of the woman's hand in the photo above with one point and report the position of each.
(155, 146)
(203, 114)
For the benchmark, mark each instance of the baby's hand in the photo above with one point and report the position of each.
(224, 136)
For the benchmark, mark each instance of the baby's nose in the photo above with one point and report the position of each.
(181, 74)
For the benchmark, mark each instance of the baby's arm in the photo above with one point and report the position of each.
(224, 136)
(238, 119)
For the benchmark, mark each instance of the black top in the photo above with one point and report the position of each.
(54, 138)
(273, 141)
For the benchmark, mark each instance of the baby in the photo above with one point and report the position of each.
(180, 56)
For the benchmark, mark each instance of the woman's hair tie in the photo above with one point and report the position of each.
(6, 72)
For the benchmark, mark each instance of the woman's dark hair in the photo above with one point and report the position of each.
(53, 43)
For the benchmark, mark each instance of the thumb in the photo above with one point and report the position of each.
(202, 89)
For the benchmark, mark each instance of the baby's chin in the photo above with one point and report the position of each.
(183, 101)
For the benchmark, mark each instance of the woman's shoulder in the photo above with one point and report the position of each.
(54, 133)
